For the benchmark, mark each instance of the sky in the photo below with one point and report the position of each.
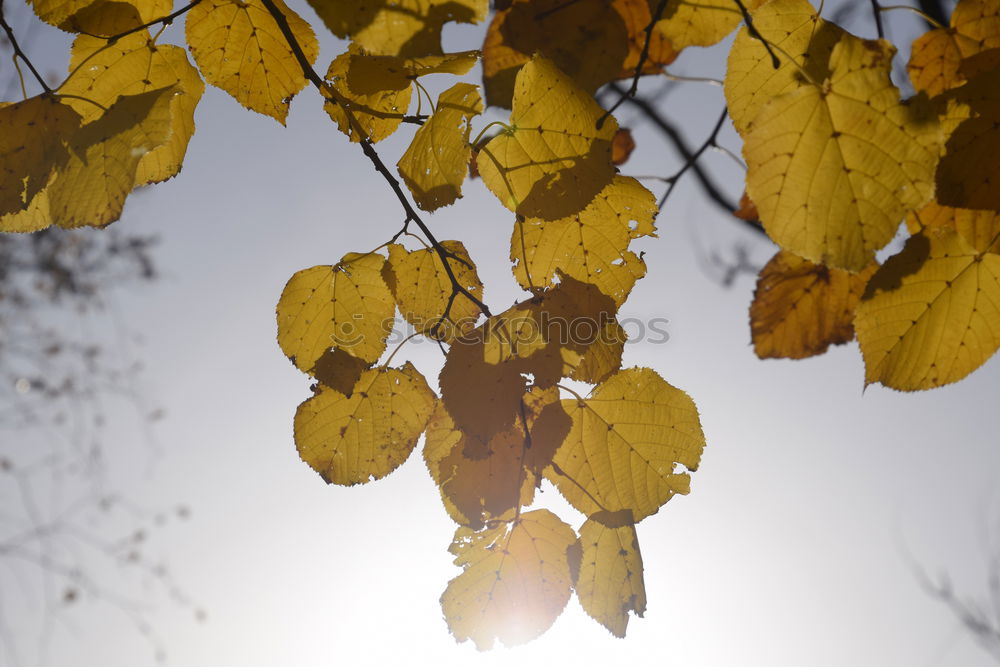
(796, 546)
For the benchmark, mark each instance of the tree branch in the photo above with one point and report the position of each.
(711, 190)
(331, 95)
(660, 7)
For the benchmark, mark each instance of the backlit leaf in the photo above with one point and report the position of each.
(795, 30)
(552, 160)
(931, 314)
(609, 580)
(33, 137)
(548, 336)
(969, 173)
(355, 439)
(61, 13)
(622, 146)
(435, 164)
(104, 159)
(239, 48)
(424, 291)
(592, 41)
(347, 306)
(592, 245)
(631, 445)
(482, 398)
(555, 331)
(603, 356)
(103, 71)
(515, 580)
(479, 484)
(700, 22)
(399, 27)
(800, 308)
(377, 106)
(936, 57)
(978, 227)
(35, 217)
(834, 166)
(377, 89)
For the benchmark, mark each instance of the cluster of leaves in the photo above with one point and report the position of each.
(836, 160)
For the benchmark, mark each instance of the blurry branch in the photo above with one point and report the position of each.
(979, 617)
(978, 614)
(68, 534)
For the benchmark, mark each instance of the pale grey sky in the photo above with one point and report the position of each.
(787, 552)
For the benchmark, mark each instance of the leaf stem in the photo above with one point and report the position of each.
(922, 14)
(331, 95)
(479, 136)
(401, 344)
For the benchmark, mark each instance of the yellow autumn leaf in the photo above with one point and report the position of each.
(355, 439)
(66, 14)
(555, 331)
(549, 336)
(552, 159)
(936, 56)
(436, 162)
(700, 22)
(377, 89)
(931, 314)
(91, 187)
(482, 482)
(631, 445)
(515, 580)
(33, 218)
(482, 398)
(101, 72)
(423, 290)
(834, 166)
(608, 579)
(978, 227)
(968, 175)
(800, 308)
(603, 356)
(347, 306)
(239, 48)
(33, 137)
(377, 106)
(805, 42)
(400, 27)
(592, 245)
(592, 41)
(339, 369)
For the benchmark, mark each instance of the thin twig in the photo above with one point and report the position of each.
(752, 30)
(643, 57)
(331, 95)
(709, 186)
(710, 141)
(18, 53)
(165, 20)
